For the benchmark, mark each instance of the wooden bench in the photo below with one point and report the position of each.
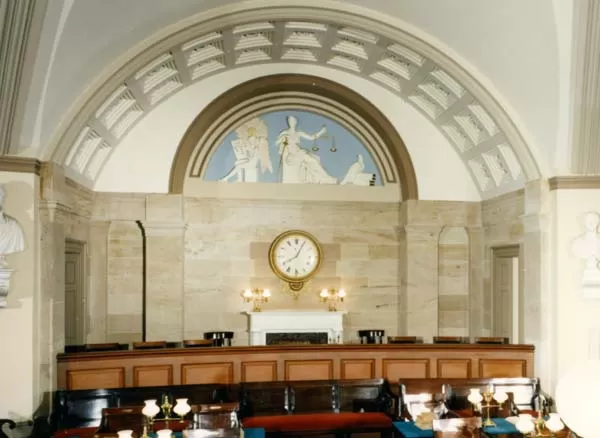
(83, 408)
(318, 407)
(416, 395)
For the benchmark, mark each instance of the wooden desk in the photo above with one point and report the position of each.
(180, 366)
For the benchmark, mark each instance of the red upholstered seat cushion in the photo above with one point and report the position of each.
(83, 432)
(329, 421)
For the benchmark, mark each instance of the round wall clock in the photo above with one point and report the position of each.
(295, 257)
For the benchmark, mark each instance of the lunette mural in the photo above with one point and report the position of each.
(292, 147)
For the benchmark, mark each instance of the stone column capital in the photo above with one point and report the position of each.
(54, 211)
(429, 231)
(535, 223)
(159, 228)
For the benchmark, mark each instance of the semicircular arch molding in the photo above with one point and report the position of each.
(302, 92)
(484, 135)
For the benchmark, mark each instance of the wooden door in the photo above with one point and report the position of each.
(74, 293)
(505, 293)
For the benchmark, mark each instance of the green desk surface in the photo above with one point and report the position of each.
(409, 430)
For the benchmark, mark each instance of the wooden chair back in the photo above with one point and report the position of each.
(150, 345)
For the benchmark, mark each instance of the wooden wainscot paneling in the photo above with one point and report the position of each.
(217, 372)
(96, 378)
(263, 371)
(153, 375)
(502, 368)
(357, 369)
(454, 368)
(308, 369)
(394, 369)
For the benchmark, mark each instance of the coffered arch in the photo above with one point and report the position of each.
(483, 135)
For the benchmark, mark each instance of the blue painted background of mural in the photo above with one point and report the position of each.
(337, 150)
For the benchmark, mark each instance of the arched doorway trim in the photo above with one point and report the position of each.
(204, 131)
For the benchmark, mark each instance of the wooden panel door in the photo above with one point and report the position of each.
(74, 293)
(505, 294)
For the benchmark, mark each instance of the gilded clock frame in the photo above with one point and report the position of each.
(295, 283)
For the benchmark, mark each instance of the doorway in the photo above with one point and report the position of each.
(75, 293)
(506, 297)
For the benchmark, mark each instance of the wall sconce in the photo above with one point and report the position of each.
(257, 297)
(332, 297)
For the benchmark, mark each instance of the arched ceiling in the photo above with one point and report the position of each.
(337, 35)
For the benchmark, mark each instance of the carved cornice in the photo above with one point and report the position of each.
(19, 164)
(574, 182)
(164, 229)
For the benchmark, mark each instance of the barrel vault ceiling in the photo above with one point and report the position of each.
(491, 147)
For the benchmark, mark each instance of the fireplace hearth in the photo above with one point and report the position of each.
(296, 338)
(295, 327)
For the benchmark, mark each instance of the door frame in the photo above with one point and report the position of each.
(500, 252)
(79, 247)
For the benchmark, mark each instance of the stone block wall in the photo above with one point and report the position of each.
(226, 251)
(454, 282)
(203, 252)
(503, 226)
(124, 282)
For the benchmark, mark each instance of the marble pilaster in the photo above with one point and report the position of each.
(477, 311)
(164, 280)
(536, 319)
(420, 283)
(98, 266)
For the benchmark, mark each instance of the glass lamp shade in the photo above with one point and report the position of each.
(150, 408)
(475, 396)
(127, 433)
(525, 424)
(342, 293)
(324, 293)
(164, 433)
(500, 396)
(554, 423)
(573, 393)
(266, 293)
(182, 407)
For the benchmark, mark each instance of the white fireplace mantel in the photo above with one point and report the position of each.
(295, 321)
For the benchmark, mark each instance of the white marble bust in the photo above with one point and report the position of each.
(12, 239)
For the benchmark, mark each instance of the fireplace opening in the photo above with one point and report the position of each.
(296, 338)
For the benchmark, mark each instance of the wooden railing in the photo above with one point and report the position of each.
(180, 366)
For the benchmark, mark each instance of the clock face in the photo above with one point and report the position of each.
(295, 256)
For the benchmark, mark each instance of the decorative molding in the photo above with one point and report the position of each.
(16, 18)
(574, 182)
(483, 135)
(585, 153)
(298, 91)
(20, 165)
(154, 228)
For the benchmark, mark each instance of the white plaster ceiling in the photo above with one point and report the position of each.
(85, 42)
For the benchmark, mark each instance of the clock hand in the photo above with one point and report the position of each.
(300, 249)
(297, 253)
